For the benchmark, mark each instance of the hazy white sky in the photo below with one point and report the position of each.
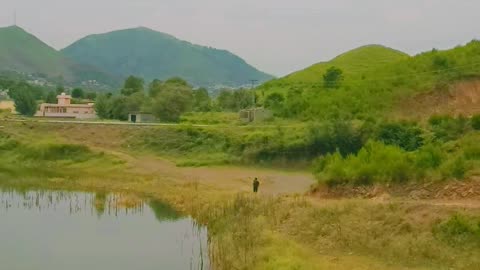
(277, 36)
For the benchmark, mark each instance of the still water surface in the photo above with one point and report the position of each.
(45, 230)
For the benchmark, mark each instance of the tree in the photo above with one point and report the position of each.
(25, 102)
(78, 93)
(225, 100)
(132, 85)
(172, 102)
(119, 109)
(154, 88)
(201, 100)
(333, 78)
(51, 97)
(243, 99)
(177, 81)
(102, 106)
(135, 102)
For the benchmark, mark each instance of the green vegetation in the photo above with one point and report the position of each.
(400, 152)
(368, 82)
(258, 232)
(462, 232)
(22, 52)
(161, 56)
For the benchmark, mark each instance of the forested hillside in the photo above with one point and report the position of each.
(153, 55)
(24, 53)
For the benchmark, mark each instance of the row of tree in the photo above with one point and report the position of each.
(168, 100)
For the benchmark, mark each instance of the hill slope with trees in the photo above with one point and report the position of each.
(368, 82)
(24, 53)
(153, 55)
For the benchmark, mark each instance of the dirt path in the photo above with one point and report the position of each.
(273, 182)
(233, 178)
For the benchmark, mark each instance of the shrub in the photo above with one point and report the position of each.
(55, 152)
(447, 128)
(476, 122)
(404, 135)
(429, 156)
(456, 168)
(374, 163)
(459, 230)
(7, 143)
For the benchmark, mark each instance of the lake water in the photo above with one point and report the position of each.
(77, 231)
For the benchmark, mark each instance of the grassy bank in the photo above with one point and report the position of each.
(255, 232)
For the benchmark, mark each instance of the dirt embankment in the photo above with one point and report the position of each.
(448, 191)
(462, 98)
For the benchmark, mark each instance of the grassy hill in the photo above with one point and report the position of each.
(23, 52)
(353, 63)
(375, 80)
(154, 55)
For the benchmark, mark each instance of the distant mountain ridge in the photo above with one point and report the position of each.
(154, 55)
(22, 52)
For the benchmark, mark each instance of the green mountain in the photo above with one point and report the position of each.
(154, 55)
(24, 53)
(376, 80)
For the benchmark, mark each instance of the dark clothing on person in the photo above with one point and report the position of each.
(256, 184)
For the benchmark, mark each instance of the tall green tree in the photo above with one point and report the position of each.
(154, 88)
(225, 100)
(102, 106)
(135, 102)
(119, 108)
(172, 102)
(201, 100)
(25, 102)
(133, 85)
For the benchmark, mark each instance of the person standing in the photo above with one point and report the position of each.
(256, 184)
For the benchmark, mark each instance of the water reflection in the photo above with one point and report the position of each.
(75, 230)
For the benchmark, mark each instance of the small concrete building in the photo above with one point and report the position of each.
(255, 115)
(64, 109)
(141, 117)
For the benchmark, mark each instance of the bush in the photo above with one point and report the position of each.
(447, 128)
(429, 156)
(404, 135)
(476, 122)
(374, 163)
(456, 168)
(459, 230)
(55, 152)
(338, 136)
